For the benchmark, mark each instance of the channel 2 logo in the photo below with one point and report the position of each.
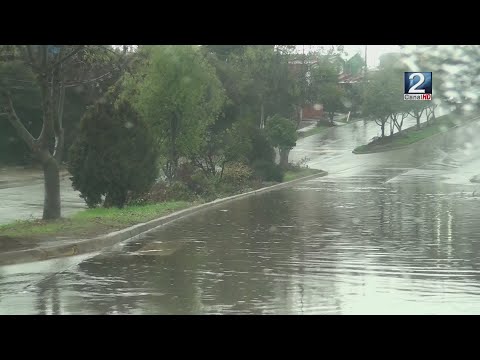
(418, 86)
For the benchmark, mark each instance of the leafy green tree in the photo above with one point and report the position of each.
(354, 97)
(264, 80)
(416, 109)
(220, 148)
(282, 134)
(310, 72)
(375, 105)
(224, 52)
(179, 94)
(246, 75)
(392, 68)
(383, 98)
(332, 97)
(114, 153)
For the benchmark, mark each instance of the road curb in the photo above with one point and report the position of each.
(83, 246)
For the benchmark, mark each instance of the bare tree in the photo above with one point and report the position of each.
(55, 68)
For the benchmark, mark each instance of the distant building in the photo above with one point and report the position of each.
(354, 66)
(351, 71)
(312, 112)
(350, 79)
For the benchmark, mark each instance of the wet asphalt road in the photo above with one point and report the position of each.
(393, 232)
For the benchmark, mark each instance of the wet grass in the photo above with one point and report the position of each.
(409, 136)
(90, 222)
(298, 173)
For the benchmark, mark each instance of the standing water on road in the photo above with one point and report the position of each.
(376, 239)
(392, 232)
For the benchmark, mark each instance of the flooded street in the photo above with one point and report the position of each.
(21, 195)
(387, 233)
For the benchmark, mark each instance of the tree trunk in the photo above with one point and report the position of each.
(51, 204)
(174, 154)
(108, 203)
(117, 198)
(50, 78)
(418, 122)
(398, 125)
(223, 168)
(383, 129)
(332, 115)
(262, 116)
(430, 114)
(298, 116)
(284, 157)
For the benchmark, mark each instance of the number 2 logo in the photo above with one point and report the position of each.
(413, 89)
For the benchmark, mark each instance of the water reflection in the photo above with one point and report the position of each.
(47, 298)
(389, 237)
(361, 245)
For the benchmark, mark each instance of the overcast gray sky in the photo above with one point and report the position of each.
(373, 51)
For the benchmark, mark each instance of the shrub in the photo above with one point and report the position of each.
(202, 184)
(157, 193)
(261, 148)
(267, 171)
(114, 154)
(178, 191)
(185, 172)
(236, 173)
(282, 133)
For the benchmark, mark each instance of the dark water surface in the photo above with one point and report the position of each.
(397, 235)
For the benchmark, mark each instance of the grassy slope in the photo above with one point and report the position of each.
(408, 136)
(295, 174)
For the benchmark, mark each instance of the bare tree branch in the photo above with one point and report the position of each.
(58, 127)
(381, 121)
(24, 51)
(81, 82)
(44, 57)
(72, 83)
(111, 50)
(68, 56)
(47, 126)
(15, 121)
(31, 57)
(19, 80)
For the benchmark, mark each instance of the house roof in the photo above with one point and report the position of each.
(350, 79)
